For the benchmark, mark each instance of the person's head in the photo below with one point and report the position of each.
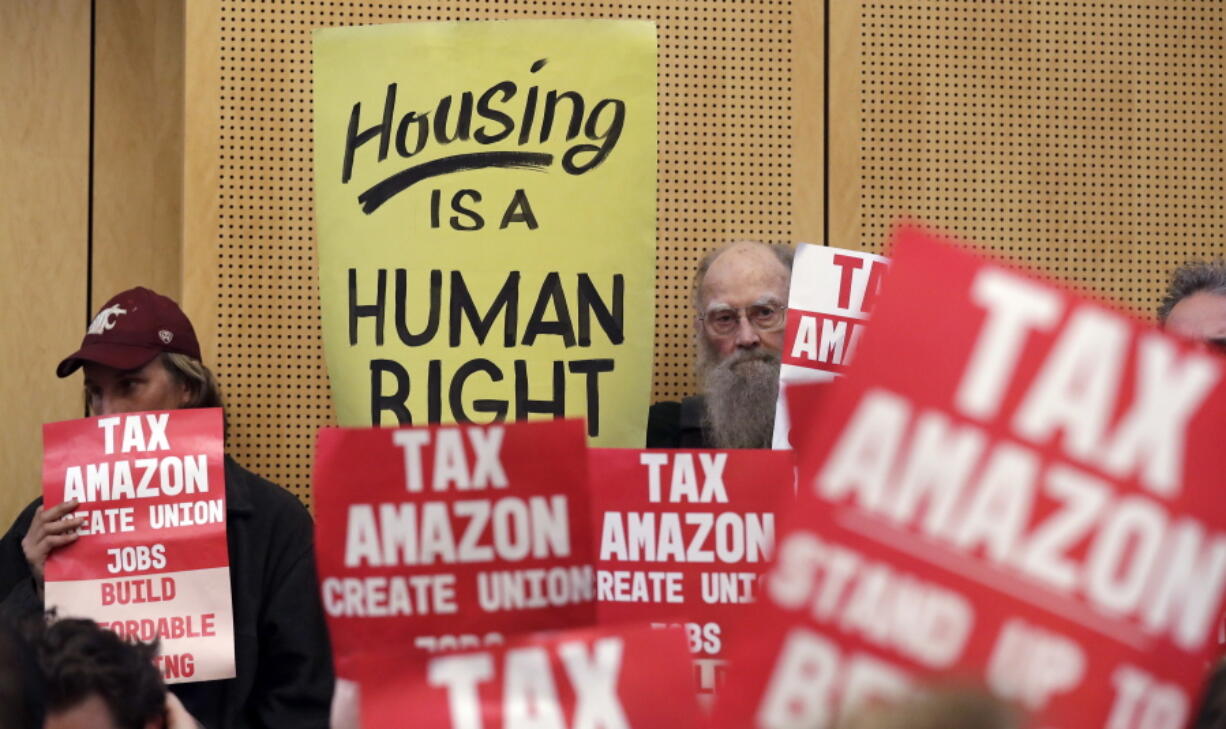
(141, 353)
(741, 294)
(96, 680)
(1195, 303)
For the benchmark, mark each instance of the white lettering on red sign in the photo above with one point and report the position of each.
(728, 537)
(683, 484)
(529, 692)
(450, 467)
(810, 675)
(1143, 702)
(1078, 385)
(1031, 665)
(142, 433)
(138, 478)
(891, 609)
(1170, 582)
(509, 528)
(834, 342)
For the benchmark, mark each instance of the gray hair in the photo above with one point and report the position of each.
(198, 379)
(1192, 278)
(783, 253)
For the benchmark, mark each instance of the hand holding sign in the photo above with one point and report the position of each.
(51, 528)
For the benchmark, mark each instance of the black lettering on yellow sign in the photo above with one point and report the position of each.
(452, 119)
(551, 315)
(518, 210)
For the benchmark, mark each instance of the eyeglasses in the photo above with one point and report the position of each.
(763, 317)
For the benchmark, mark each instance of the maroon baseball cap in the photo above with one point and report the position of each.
(130, 330)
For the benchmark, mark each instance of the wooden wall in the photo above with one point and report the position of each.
(92, 130)
(44, 219)
(138, 147)
(1085, 140)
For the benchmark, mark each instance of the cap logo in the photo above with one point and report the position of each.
(105, 319)
(165, 335)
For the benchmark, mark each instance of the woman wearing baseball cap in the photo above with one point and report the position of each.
(140, 353)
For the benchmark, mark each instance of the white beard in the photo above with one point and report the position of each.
(741, 391)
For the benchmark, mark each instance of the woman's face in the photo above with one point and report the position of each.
(111, 391)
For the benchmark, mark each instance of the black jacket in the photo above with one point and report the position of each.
(678, 424)
(281, 650)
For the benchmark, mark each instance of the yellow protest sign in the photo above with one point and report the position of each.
(485, 211)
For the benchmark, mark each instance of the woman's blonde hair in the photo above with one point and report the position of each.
(198, 379)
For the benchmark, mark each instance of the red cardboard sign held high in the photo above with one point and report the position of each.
(682, 537)
(830, 300)
(152, 560)
(450, 537)
(1016, 486)
(595, 678)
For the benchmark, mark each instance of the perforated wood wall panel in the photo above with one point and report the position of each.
(1083, 138)
(726, 172)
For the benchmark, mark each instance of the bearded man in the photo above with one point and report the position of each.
(740, 298)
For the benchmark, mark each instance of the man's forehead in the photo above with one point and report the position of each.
(714, 303)
(745, 270)
(1201, 315)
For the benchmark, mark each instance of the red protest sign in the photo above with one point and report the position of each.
(1015, 485)
(573, 679)
(450, 536)
(832, 294)
(152, 560)
(682, 537)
